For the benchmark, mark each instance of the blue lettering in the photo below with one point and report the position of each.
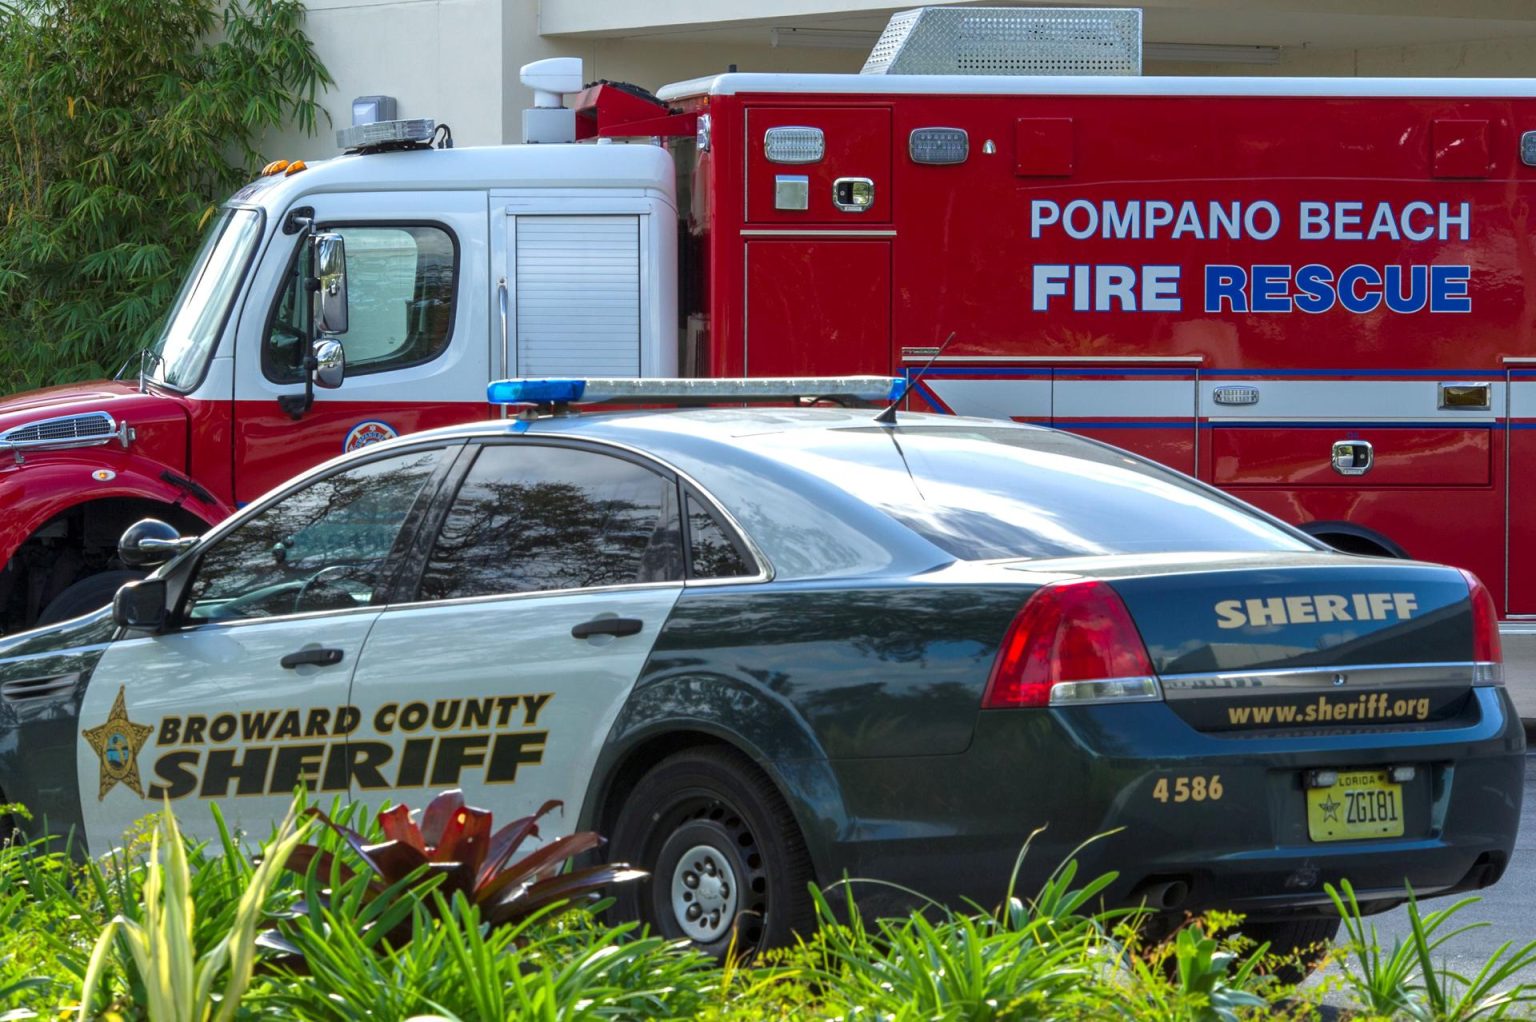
(1314, 286)
(1271, 292)
(1448, 288)
(1224, 284)
(1349, 294)
(1418, 288)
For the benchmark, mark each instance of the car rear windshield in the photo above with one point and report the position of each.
(984, 492)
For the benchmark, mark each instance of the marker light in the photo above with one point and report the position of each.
(673, 391)
(938, 145)
(1073, 643)
(275, 167)
(1487, 653)
(538, 392)
(794, 144)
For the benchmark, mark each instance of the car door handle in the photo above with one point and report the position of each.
(607, 626)
(317, 657)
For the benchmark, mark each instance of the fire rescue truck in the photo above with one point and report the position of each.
(1317, 294)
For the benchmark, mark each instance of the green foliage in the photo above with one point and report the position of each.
(121, 121)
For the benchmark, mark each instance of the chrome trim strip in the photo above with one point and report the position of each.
(40, 442)
(1462, 674)
(811, 232)
(1063, 360)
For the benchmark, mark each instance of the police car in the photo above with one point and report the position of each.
(764, 646)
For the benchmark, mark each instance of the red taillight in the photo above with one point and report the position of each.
(1485, 622)
(1067, 631)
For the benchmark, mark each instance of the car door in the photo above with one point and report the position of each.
(537, 603)
(244, 698)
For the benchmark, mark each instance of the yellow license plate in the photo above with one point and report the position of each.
(1363, 804)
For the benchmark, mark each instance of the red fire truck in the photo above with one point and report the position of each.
(1316, 294)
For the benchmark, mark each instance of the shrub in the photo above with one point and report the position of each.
(120, 122)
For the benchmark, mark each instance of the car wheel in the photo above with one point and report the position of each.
(90, 593)
(1302, 943)
(729, 870)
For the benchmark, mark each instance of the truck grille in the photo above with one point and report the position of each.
(66, 431)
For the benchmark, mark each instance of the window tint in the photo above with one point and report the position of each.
(321, 548)
(400, 289)
(712, 551)
(531, 518)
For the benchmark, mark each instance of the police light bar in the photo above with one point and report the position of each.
(671, 391)
(386, 134)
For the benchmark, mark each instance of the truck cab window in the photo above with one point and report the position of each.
(401, 282)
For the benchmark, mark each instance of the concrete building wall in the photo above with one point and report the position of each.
(456, 61)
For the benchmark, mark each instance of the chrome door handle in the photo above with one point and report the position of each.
(506, 349)
(1353, 457)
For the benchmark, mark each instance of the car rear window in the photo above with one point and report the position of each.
(983, 492)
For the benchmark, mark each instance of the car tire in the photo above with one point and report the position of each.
(728, 868)
(90, 593)
(1301, 943)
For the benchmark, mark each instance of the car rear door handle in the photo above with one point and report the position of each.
(607, 626)
(317, 657)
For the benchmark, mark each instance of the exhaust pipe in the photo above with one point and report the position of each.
(1163, 894)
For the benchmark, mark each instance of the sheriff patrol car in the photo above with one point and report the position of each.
(762, 646)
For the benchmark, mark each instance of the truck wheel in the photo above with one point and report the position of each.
(1302, 942)
(90, 593)
(729, 870)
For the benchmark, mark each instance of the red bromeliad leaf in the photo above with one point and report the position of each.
(437, 814)
(511, 837)
(397, 826)
(528, 869)
(523, 902)
(300, 858)
(393, 860)
(464, 839)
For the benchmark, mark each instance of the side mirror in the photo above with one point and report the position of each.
(330, 363)
(330, 263)
(140, 605)
(150, 541)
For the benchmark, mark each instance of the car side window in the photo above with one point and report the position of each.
(320, 548)
(532, 518)
(400, 291)
(713, 551)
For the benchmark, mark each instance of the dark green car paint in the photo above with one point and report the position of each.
(43, 675)
(829, 673)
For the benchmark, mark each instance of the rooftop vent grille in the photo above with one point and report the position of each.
(1009, 41)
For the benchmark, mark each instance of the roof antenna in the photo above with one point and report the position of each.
(887, 417)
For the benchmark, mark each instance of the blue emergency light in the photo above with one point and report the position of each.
(535, 392)
(839, 389)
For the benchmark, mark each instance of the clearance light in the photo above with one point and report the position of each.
(275, 167)
(1487, 653)
(671, 391)
(1073, 643)
(295, 167)
(938, 145)
(794, 144)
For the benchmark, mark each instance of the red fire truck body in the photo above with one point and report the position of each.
(1318, 295)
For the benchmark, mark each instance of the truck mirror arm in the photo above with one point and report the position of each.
(295, 405)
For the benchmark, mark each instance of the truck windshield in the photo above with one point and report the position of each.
(192, 330)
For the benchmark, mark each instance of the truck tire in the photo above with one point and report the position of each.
(729, 870)
(90, 593)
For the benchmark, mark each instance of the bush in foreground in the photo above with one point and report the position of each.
(163, 931)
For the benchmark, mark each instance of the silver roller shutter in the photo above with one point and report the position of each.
(578, 295)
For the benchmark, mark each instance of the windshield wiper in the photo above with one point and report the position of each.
(148, 359)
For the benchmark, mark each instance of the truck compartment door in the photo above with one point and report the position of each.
(818, 307)
(576, 295)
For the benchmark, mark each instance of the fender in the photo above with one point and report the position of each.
(34, 492)
(698, 702)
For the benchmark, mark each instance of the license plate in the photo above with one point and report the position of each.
(1363, 804)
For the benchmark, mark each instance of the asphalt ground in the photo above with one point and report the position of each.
(1508, 908)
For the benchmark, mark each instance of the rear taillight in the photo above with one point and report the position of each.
(1487, 653)
(1074, 642)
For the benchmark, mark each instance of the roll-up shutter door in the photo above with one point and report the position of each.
(578, 295)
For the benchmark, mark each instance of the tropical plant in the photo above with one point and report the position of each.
(177, 975)
(453, 853)
(121, 121)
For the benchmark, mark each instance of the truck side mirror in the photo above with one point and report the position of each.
(330, 363)
(150, 541)
(140, 605)
(330, 263)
